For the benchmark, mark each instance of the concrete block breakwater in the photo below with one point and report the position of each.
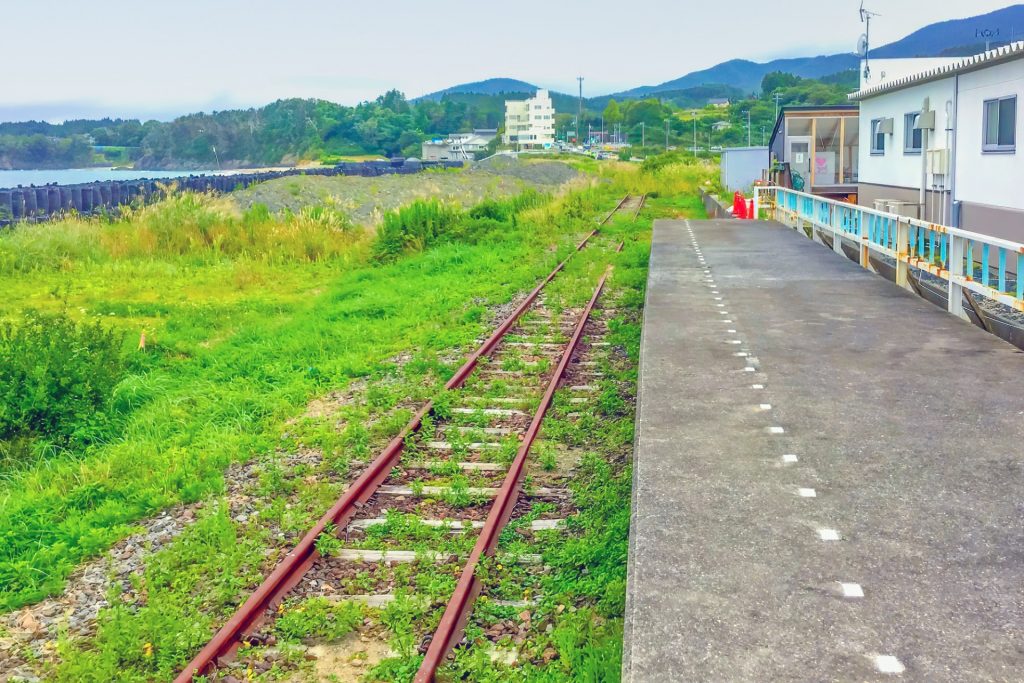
(38, 203)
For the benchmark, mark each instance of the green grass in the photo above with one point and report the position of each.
(224, 368)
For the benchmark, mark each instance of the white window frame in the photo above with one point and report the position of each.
(909, 119)
(996, 148)
(877, 151)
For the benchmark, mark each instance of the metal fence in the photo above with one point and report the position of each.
(965, 260)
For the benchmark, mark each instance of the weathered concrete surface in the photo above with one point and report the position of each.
(907, 423)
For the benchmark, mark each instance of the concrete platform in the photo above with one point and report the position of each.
(861, 516)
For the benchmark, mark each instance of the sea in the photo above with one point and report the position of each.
(72, 176)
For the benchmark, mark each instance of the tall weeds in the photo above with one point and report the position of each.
(199, 227)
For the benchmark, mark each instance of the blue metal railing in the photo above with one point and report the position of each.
(986, 265)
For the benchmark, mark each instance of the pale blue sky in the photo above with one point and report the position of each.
(69, 58)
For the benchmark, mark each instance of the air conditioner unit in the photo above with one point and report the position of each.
(902, 208)
(885, 126)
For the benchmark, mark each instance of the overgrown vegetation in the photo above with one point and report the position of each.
(58, 380)
(243, 328)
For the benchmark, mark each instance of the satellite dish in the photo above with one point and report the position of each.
(862, 45)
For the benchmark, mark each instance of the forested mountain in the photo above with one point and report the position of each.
(491, 86)
(948, 38)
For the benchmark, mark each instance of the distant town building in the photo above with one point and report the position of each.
(458, 146)
(719, 126)
(719, 102)
(817, 149)
(530, 123)
(952, 126)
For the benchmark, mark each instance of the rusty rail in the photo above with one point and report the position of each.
(640, 206)
(615, 210)
(459, 607)
(290, 570)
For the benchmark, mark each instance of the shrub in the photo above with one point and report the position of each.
(414, 227)
(56, 379)
(506, 210)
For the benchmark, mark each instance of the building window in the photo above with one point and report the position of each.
(877, 137)
(911, 136)
(1000, 125)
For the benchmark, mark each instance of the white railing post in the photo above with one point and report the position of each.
(757, 202)
(956, 273)
(903, 254)
(837, 238)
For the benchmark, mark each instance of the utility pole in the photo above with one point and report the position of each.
(747, 113)
(643, 136)
(762, 136)
(666, 135)
(580, 116)
(778, 98)
(694, 114)
(864, 47)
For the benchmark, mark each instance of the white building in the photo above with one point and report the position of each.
(530, 123)
(938, 140)
(458, 146)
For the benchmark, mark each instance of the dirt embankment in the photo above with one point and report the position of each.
(366, 199)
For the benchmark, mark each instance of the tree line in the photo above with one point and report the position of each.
(294, 129)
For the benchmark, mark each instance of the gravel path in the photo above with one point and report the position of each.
(366, 199)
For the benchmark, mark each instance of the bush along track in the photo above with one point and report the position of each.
(156, 614)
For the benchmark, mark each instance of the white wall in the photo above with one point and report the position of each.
(994, 179)
(897, 168)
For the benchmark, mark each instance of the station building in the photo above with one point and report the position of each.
(938, 140)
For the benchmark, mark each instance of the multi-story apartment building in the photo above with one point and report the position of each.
(530, 123)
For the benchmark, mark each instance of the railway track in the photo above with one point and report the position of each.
(425, 517)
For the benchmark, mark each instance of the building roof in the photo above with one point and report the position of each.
(973, 63)
(818, 107)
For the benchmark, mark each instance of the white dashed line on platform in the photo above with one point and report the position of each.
(887, 664)
(851, 590)
(806, 493)
(828, 534)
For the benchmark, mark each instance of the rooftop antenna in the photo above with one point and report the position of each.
(864, 44)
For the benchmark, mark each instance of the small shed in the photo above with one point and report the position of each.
(741, 166)
(820, 143)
